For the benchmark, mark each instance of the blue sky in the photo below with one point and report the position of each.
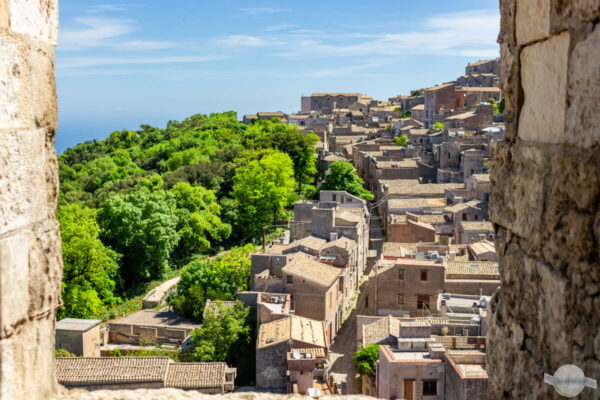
(122, 64)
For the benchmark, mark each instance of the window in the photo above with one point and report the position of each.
(400, 299)
(448, 156)
(475, 217)
(464, 217)
(423, 275)
(290, 280)
(429, 388)
(423, 302)
(335, 197)
(366, 301)
(401, 274)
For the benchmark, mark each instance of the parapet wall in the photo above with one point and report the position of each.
(545, 198)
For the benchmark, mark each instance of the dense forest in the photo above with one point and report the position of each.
(141, 204)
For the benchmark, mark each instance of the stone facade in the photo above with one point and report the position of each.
(544, 199)
(30, 251)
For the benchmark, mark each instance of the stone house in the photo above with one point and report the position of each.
(335, 215)
(249, 118)
(418, 112)
(326, 102)
(477, 79)
(267, 116)
(405, 287)
(468, 98)
(474, 231)
(438, 99)
(484, 66)
(308, 369)
(479, 118)
(478, 278)
(412, 369)
(484, 250)
(160, 327)
(268, 306)
(109, 373)
(79, 336)
(466, 375)
(408, 229)
(276, 339)
(315, 291)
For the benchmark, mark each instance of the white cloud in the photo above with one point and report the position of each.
(107, 7)
(231, 41)
(146, 45)
(280, 27)
(95, 31)
(464, 34)
(262, 10)
(85, 62)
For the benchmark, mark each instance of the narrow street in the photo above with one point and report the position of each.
(344, 346)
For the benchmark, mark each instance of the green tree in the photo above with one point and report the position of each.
(365, 360)
(407, 114)
(389, 127)
(438, 125)
(501, 105)
(198, 219)
(401, 140)
(221, 330)
(142, 227)
(217, 279)
(89, 267)
(342, 176)
(263, 188)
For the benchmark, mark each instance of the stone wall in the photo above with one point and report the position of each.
(545, 198)
(30, 251)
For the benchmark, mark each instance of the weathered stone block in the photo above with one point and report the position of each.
(13, 85)
(544, 83)
(27, 368)
(583, 114)
(532, 20)
(37, 19)
(14, 281)
(45, 260)
(28, 98)
(23, 198)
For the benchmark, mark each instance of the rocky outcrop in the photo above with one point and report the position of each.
(545, 198)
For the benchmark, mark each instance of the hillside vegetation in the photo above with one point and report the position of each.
(142, 203)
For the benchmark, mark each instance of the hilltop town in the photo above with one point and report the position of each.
(380, 290)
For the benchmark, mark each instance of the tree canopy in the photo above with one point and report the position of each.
(163, 198)
(365, 360)
(342, 176)
(90, 268)
(401, 140)
(221, 330)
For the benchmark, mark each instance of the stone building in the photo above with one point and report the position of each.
(468, 98)
(160, 327)
(102, 373)
(480, 117)
(326, 102)
(412, 369)
(79, 336)
(405, 287)
(483, 66)
(277, 338)
(465, 375)
(437, 99)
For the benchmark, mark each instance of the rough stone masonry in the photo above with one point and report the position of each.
(545, 198)
(30, 252)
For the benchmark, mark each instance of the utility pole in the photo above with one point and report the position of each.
(263, 236)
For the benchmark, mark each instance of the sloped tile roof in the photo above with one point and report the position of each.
(199, 375)
(89, 371)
